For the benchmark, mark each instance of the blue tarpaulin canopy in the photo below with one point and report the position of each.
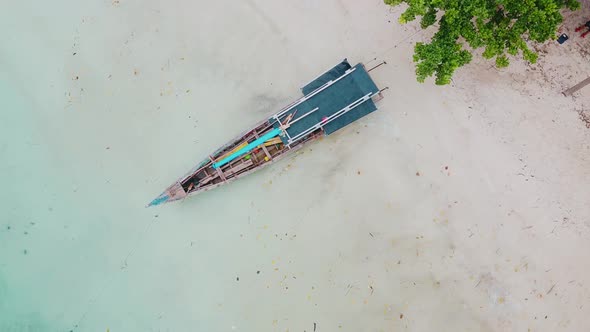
(337, 98)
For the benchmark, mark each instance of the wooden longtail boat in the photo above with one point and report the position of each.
(337, 98)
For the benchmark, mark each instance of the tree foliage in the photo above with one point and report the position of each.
(501, 27)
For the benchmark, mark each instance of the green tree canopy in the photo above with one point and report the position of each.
(500, 27)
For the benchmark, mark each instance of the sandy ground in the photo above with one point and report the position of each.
(458, 208)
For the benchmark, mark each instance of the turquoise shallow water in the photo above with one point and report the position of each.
(103, 104)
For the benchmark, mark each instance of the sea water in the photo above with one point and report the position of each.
(103, 104)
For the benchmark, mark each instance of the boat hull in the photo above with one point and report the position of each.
(332, 101)
(176, 193)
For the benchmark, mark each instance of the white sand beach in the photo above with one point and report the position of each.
(456, 208)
